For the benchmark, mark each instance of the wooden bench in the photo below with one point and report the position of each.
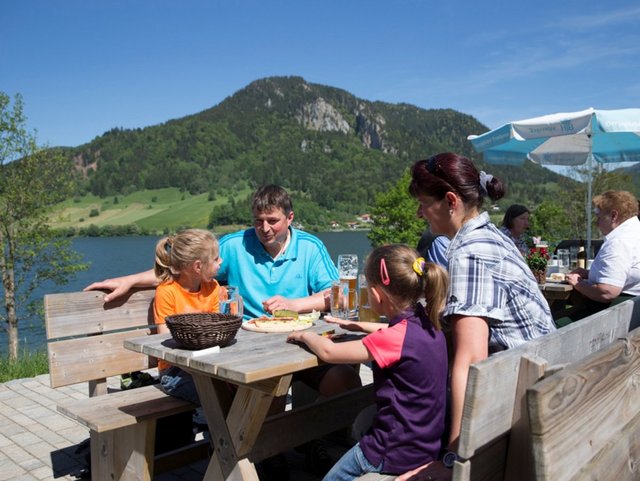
(85, 344)
(585, 419)
(495, 434)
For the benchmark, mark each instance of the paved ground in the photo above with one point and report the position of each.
(38, 443)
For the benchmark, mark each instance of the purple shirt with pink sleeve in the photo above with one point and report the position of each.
(410, 381)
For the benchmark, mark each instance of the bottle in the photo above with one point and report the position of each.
(581, 257)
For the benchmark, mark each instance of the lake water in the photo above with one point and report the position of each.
(116, 256)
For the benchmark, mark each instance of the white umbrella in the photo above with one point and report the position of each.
(573, 138)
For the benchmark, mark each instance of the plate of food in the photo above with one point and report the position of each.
(557, 277)
(281, 322)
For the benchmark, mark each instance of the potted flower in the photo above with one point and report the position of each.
(537, 260)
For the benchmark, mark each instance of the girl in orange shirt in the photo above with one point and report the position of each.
(185, 265)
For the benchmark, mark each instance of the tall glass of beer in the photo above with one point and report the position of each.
(348, 271)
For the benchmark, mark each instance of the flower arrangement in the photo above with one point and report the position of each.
(537, 258)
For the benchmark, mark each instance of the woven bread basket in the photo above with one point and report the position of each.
(200, 330)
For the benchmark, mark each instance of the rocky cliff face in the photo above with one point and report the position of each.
(323, 117)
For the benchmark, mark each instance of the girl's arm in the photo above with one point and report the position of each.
(331, 352)
(356, 326)
(471, 344)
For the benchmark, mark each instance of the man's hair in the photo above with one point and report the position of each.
(270, 197)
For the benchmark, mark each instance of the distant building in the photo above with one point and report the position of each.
(366, 218)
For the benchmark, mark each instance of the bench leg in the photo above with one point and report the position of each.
(124, 454)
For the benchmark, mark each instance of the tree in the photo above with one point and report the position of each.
(31, 180)
(394, 216)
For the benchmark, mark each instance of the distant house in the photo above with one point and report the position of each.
(334, 224)
(352, 225)
(366, 218)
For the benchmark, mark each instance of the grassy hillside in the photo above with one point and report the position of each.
(151, 210)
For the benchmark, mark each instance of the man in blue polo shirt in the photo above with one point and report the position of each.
(274, 265)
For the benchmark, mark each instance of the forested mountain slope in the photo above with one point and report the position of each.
(334, 148)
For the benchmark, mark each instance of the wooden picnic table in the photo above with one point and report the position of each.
(557, 294)
(261, 366)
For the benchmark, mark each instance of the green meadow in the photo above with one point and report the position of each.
(152, 210)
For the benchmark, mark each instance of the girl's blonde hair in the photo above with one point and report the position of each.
(174, 253)
(406, 277)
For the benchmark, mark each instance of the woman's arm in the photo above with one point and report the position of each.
(121, 285)
(331, 352)
(470, 337)
(595, 292)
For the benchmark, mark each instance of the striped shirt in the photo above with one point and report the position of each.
(489, 279)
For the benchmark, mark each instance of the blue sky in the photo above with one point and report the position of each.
(84, 67)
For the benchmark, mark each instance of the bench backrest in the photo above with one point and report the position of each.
(585, 419)
(491, 394)
(85, 336)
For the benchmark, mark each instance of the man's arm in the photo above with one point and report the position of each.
(315, 302)
(121, 285)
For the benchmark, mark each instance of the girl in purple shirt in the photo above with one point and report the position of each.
(409, 364)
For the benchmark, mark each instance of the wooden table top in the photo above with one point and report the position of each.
(253, 357)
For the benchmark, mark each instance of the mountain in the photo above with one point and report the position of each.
(330, 147)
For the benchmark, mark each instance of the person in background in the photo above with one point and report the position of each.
(185, 265)
(274, 267)
(433, 247)
(409, 363)
(493, 302)
(514, 225)
(615, 272)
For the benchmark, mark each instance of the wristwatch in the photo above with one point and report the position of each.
(449, 458)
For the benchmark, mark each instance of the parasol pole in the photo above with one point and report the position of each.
(589, 215)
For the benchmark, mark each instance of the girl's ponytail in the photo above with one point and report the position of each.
(436, 286)
(162, 266)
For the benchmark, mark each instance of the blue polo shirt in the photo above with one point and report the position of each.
(303, 269)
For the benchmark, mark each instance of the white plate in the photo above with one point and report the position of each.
(250, 326)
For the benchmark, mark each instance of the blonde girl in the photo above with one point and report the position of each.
(185, 265)
(409, 363)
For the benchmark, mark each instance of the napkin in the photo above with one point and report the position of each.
(204, 352)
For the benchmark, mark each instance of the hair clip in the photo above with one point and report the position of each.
(431, 164)
(418, 266)
(384, 274)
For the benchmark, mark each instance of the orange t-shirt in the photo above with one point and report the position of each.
(172, 298)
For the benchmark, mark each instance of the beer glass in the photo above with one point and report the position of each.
(348, 271)
(340, 299)
(365, 313)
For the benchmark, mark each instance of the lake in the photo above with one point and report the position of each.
(117, 256)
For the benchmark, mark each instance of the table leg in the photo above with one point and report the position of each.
(234, 427)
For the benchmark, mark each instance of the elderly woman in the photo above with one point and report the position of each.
(616, 269)
(494, 303)
(514, 225)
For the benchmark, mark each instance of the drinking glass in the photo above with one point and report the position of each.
(365, 313)
(564, 260)
(340, 299)
(231, 301)
(348, 271)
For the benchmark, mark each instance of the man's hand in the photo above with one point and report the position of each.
(118, 287)
(279, 302)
